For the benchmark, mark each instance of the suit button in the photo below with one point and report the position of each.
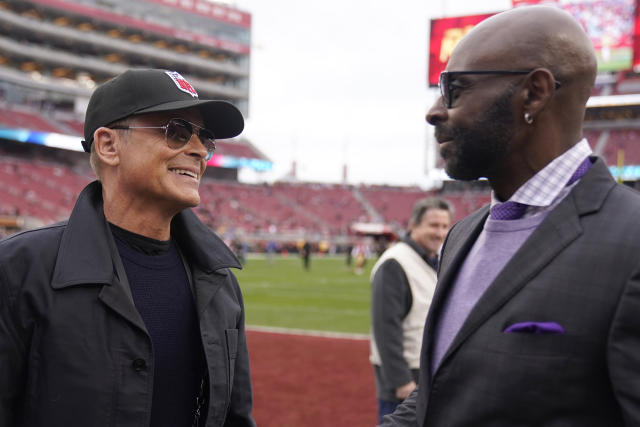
(139, 364)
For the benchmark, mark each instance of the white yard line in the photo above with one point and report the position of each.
(304, 332)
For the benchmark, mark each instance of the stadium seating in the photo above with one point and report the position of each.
(626, 141)
(23, 118)
(38, 190)
(302, 208)
(393, 203)
(46, 191)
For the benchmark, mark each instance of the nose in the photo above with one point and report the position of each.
(437, 112)
(195, 147)
(443, 232)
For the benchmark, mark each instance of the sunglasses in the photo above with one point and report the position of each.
(178, 133)
(448, 77)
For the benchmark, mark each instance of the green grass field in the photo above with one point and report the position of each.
(328, 297)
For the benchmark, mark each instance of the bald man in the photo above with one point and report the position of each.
(536, 316)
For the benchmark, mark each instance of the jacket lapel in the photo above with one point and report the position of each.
(206, 286)
(88, 256)
(209, 257)
(559, 229)
(455, 250)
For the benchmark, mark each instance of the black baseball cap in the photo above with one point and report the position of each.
(139, 91)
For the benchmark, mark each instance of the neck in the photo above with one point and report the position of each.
(523, 164)
(137, 217)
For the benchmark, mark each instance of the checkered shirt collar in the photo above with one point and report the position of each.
(544, 187)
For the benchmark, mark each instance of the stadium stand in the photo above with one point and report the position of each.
(54, 52)
(25, 118)
(626, 142)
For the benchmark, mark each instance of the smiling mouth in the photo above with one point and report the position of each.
(184, 172)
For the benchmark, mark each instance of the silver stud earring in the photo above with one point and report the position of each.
(528, 118)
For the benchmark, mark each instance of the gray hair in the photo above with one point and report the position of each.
(428, 203)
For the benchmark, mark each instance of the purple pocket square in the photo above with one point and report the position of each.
(535, 328)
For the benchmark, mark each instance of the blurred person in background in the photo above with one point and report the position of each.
(402, 284)
(127, 313)
(535, 317)
(305, 253)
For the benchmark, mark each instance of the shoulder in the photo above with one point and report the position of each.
(399, 249)
(32, 243)
(24, 254)
(620, 210)
(624, 196)
(389, 264)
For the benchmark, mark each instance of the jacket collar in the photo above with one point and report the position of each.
(85, 254)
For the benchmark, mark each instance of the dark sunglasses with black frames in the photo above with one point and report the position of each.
(447, 77)
(178, 133)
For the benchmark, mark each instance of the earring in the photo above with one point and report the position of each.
(528, 118)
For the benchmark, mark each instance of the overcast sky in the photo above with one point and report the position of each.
(344, 81)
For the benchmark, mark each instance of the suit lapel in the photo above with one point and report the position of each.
(455, 250)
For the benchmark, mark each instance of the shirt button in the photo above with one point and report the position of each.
(139, 364)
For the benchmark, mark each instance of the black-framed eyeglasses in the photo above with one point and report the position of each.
(447, 77)
(178, 133)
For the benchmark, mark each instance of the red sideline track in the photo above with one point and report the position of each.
(311, 381)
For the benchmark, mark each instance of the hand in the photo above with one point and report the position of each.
(404, 391)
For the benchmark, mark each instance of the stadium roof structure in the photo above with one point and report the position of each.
(608, 101)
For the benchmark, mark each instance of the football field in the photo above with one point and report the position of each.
(328, 297)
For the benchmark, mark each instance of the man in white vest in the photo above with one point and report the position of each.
(403, 281)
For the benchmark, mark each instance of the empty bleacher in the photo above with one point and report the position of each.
(37, 189)
(393, 203)
(625, 141)
(23, 118)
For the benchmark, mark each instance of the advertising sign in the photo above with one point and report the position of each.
(445, 34)
(610, 25)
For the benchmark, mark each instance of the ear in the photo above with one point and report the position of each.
(107, 145)
(539, 90)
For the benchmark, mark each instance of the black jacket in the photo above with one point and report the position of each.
(73, 349)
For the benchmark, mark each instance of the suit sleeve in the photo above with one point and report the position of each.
(390, 302)
(12, 357)
(239, 414)
(405, 413)
(624, 351)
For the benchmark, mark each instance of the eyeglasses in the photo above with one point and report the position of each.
(178, 133)
(447, 77)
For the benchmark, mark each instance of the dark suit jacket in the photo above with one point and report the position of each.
(581, 269)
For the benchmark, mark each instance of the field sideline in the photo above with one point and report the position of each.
(328, 297)
(307, 333)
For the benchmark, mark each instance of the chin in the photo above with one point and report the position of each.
(193, 202)
(461, 173)
(187, 201)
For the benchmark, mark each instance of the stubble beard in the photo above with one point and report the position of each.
(477, 150)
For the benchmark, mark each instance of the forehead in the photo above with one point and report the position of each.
(191, 114)
(436, 215)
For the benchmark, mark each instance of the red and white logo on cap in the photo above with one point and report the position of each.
(182, 83)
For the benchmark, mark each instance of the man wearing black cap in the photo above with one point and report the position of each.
(127, 314)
